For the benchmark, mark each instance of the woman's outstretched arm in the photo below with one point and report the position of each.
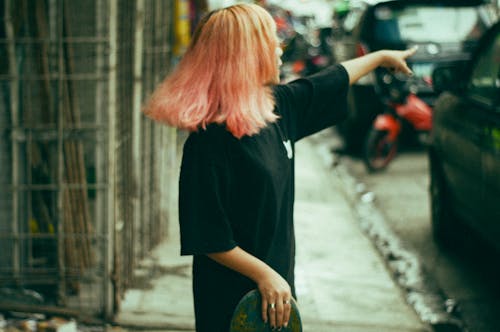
(394, 60)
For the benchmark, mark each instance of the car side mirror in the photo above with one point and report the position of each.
(448, 78)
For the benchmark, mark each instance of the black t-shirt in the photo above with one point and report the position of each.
(240, 192)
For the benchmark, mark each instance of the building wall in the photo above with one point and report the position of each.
(91, 176)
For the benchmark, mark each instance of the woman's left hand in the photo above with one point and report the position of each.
(274, 289)
(276, 299)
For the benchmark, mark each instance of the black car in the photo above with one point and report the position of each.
(445, 31)
(464, 155)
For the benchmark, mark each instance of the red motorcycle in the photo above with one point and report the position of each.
(405, 112)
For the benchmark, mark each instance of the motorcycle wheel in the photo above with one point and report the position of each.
(378, 151)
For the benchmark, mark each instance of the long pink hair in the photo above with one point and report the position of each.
(224, 75)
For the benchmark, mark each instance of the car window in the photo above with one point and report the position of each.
(485, 80)
(422, 23)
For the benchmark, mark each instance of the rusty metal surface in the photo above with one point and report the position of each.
(83, 194)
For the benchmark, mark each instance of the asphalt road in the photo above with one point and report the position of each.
(466, 278)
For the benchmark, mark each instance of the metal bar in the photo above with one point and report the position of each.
(38, 279)
(82, 40)
(38, 271)
(172, 178)
(53, 76)
(145, 189)
(112, 111)
(56, 20)
(153, 197)
(141, 230)
(89, 276)
(165, 185)
(100, 151)
(54, 187)
(49, 236)
(136, 120)
(47, 275)
(155, 230)
(161, 49)
(44, 127)
(100, 110)
(172, 137)
(72, 274)
(14, 109)
(74, 157)
(29, 147)
(76, 136)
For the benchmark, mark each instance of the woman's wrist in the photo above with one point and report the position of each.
(262, 273)
(241, 261)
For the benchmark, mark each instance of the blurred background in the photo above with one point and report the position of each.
(89, 185)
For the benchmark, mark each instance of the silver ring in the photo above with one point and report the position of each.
(286, 302)
(272, 306)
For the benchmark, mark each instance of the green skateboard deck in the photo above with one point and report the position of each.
(247, 316)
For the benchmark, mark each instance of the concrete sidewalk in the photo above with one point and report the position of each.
(342, 283)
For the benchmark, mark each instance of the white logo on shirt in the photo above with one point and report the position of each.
(288, 147)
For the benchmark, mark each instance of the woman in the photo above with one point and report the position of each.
(236, 187)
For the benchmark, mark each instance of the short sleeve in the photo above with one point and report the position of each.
(203, 195)
(314, 103)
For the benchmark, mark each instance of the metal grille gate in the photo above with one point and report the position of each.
(86, 180)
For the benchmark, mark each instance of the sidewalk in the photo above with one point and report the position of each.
(342, 283)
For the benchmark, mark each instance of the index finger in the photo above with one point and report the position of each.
(409, 52)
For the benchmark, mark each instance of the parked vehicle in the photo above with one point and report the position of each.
(405, 115)
(464, 154)
(308, 49)
(445, 31)
(317, 55)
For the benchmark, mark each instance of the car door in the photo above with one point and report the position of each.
(457, 139)
(484, 92)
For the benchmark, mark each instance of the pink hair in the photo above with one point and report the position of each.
(224, 75)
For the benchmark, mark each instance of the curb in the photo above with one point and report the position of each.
(421, 293)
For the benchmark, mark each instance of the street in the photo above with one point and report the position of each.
(459, 287)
